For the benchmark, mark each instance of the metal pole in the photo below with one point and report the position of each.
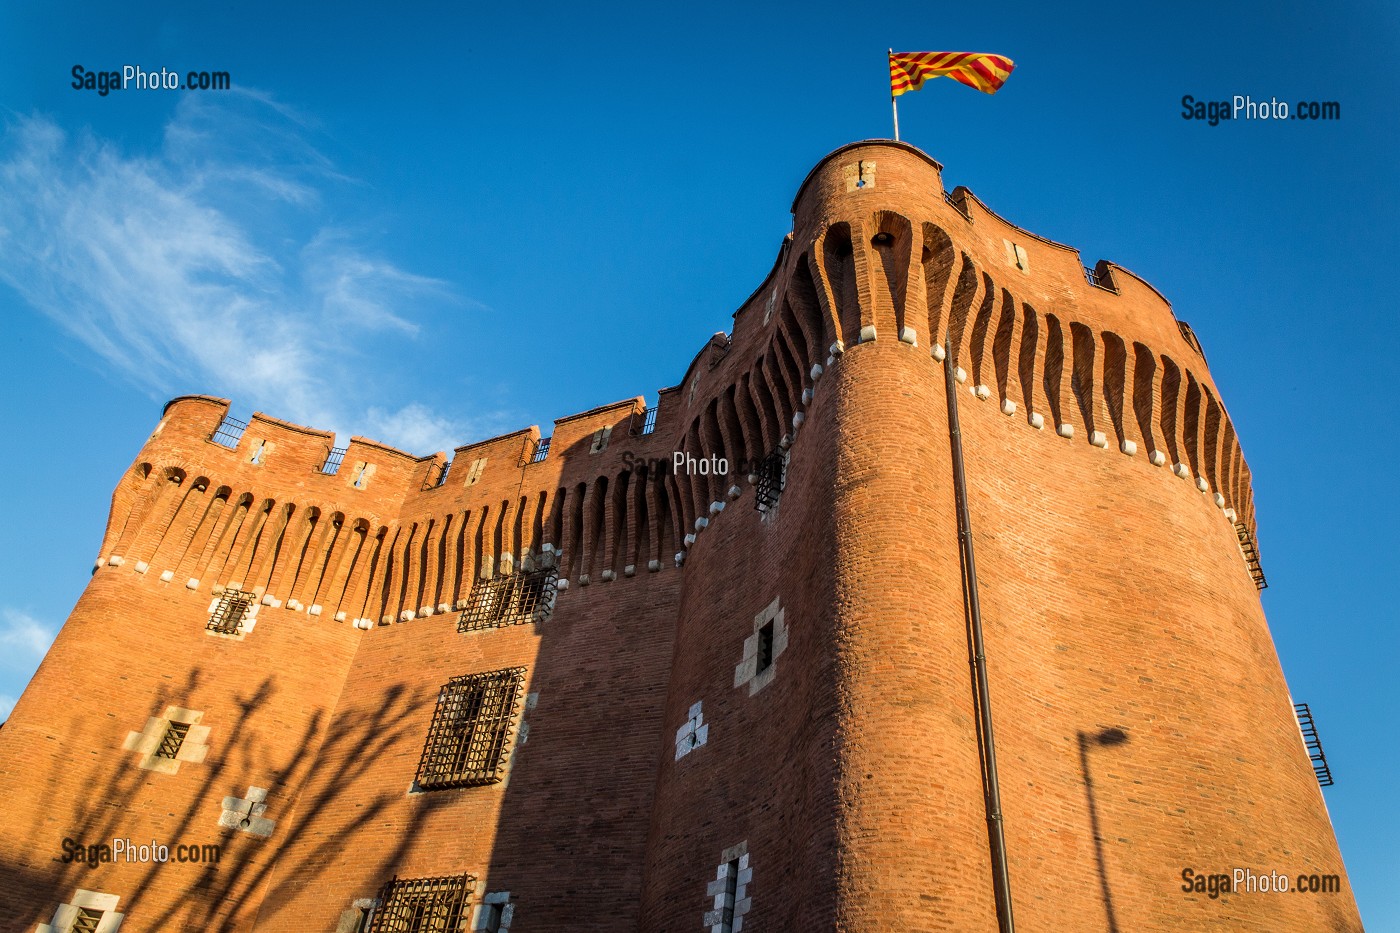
(1001, 876)
(894, 103)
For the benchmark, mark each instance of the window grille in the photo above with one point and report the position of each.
(772, 475)
(509, 600)
(1313, 744)
(229, 431)
(541, 449)
(86, 921)
(431, 481)
(471, 728)
(172, 740)
(643, 422)
(423, 905)
(230, 612)
(333, 461)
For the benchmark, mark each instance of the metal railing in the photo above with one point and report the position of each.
(1100, 279)
(541, 449)
(229, 431)
(1313, 744)
(772, 477)
(1250, 550)
(433, 481)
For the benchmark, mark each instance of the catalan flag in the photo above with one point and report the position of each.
(980, 70)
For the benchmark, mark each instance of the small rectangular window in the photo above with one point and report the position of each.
(229, 614)
(731, 889)
(423, 905)
(470, 732)
(765, 647)
(172, 740)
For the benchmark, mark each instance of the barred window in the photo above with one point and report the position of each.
(172, 740)
(772, 476)
(229, 614)
(471, 729)
(423, 905)
(86, 921)
(509, 600)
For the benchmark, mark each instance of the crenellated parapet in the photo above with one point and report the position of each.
(879, 252)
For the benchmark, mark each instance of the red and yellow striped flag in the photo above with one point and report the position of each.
(980, 70)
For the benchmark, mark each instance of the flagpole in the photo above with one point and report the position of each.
(894, 105)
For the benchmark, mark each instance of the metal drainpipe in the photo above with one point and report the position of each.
(1001, 877)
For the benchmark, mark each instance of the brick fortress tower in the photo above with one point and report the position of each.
(563, 687)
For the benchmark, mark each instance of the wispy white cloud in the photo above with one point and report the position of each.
(23, 642)
(209, 264)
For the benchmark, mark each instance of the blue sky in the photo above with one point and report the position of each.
(431, 226)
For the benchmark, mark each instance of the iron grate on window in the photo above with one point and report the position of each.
(513, 599)
(229, 431)
(172, 740)
(1100, 279)
(1313, 744)
(471, 729)
(86, 921)
(541, 449)
(772, 475)
(643, 422)
(423, 905)
(333, 461)
(230, 612)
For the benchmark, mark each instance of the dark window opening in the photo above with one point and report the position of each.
(471, 729)
(765, 647)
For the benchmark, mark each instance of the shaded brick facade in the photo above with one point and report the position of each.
(729, 718)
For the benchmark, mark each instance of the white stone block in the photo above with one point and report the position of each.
(939, 353)
(425, 611)
(1157, 458)
(837, 348)
(716, 508)
(141, 566)
(653, 566)
(909, 335)
(807, 396)
(960, 374)
(386, 619)
(734, 492)
(816, 371)
(785, 442)
(867, 333)
(701, 523)
(680, 558)
(1128, 447)
(561, 584)
(1008, 407)
(268, 599)
(1098, 439)
(341, 616)
(797, 419)
(1232, 515)
(608, 576)
(1037, 420)
(1219, 501)
(983, 392)
(1065, 430)
(167, 575)
(314, 610)
(116, 561)
(584, 579)
(630, 570)
(1201, 484)
(1182, 470)
(690, 539)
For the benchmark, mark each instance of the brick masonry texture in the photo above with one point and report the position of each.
(1143, 722)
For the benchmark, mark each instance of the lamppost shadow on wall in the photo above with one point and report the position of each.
(1106, 738)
